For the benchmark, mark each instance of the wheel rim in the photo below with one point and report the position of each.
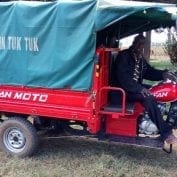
(14, 139)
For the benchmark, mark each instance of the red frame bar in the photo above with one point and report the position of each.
(123, 112)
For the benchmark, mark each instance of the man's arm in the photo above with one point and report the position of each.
(152, 73)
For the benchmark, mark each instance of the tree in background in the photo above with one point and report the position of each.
(148, 34)
(171, 46)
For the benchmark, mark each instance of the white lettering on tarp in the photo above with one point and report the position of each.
(18, 43)
(31, 44)
(36, 97)
(2, 43)
(14, 43)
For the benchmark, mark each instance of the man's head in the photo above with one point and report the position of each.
(138, 43)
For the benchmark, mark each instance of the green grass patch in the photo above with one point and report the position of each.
(165, 64)
(85, 158)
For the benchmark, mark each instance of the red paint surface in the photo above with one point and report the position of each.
(74, 105)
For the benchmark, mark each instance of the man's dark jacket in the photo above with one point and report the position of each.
(123, 71)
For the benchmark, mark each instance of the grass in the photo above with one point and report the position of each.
(84, 158)
(166, 64)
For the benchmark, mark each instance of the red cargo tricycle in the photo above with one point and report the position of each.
(31, 102)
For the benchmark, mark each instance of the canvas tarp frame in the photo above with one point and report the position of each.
(52, 44)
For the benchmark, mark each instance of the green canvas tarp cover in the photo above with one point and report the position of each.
(52, 44)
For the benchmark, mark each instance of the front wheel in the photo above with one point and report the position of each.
(18, 137)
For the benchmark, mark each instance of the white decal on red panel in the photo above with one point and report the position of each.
(161, 94)
(5, 94)
(36, 97)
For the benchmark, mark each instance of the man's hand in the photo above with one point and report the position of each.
(169, 75)
(145, 92)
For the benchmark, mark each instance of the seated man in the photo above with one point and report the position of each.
(129, 70)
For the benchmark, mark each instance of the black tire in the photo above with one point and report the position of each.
(18, 137)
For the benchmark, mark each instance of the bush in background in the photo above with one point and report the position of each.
(171, 47)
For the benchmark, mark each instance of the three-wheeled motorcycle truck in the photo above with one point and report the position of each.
(55, 73)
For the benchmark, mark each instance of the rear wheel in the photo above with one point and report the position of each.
(18, 137)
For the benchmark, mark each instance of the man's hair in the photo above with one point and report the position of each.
(137, 39)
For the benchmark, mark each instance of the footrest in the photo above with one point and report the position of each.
(118, 108)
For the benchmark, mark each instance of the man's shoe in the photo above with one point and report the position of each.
(171, 139)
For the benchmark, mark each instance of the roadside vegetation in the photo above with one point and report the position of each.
(166, 64)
